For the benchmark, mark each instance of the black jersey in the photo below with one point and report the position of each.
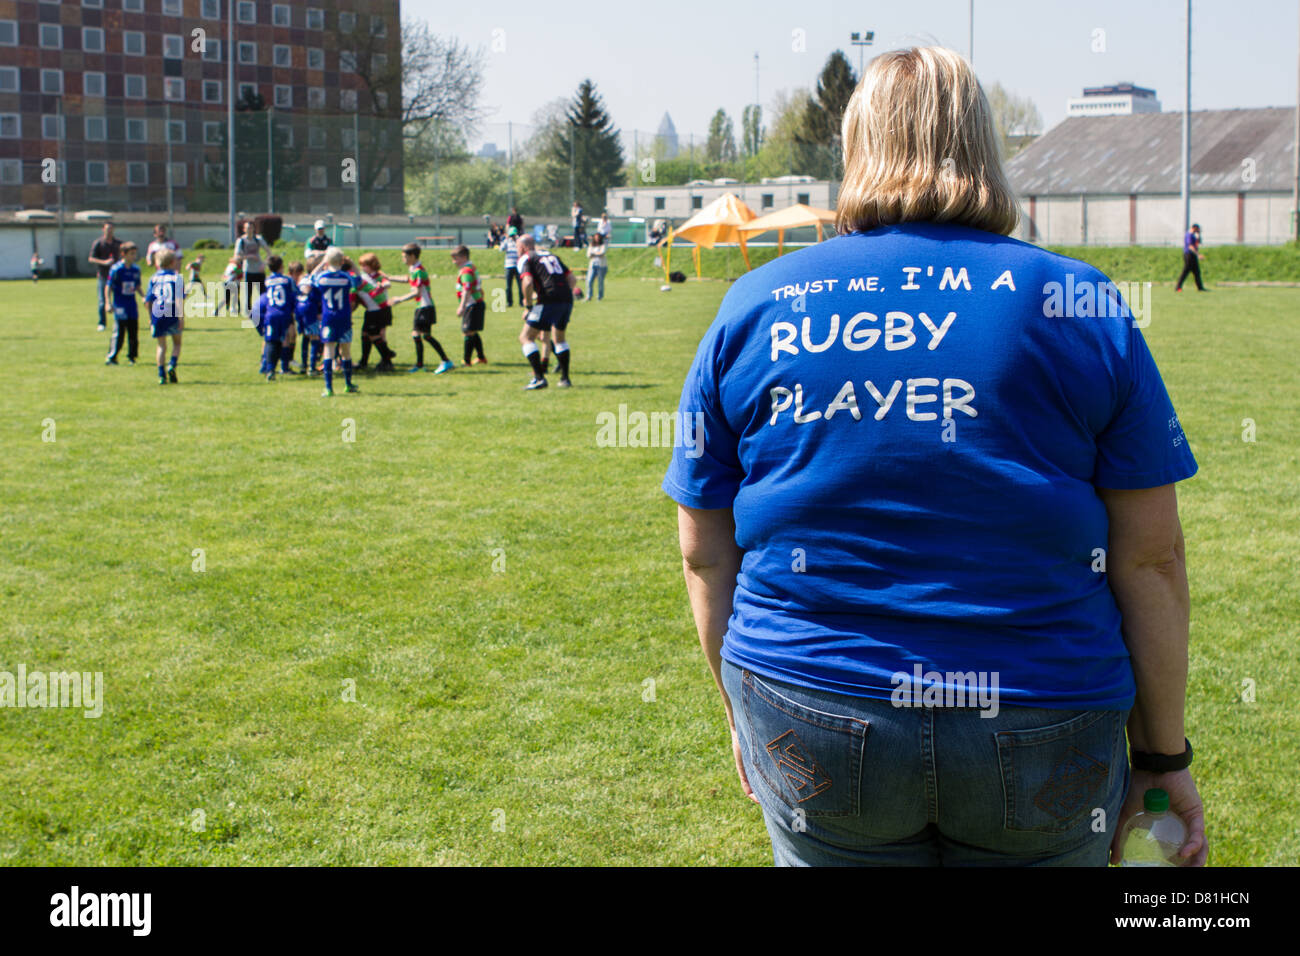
(550, 277)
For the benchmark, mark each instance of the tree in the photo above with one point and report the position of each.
(751, 130)
(721, 145)
(781, 153)
(824, 114)
(1015, 118)
(587, 151)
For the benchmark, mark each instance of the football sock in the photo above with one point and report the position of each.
(469, 348)
(437, 347)
(347, 372)
(419, 352)
(530, 353)
(306, 344)
(478, 345)
(172, 364)
(366, 345)
(315, 352)
(329, 373)
(386, 353)
(562, 359)
(286, 356)
(268, 358)
(162, 372)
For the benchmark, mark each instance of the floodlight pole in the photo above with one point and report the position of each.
(356, 178)
(510, 164)
(230, 115)
(970, 29)
(1187, 130)
(1295, 156)
(171, 213)
(270, 166)
(63, 165)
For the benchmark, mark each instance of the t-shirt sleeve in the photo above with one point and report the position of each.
(1144, 445)
(705, 470)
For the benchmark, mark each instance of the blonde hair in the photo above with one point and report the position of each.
(334, 257)
(919, 145)
(166, 259)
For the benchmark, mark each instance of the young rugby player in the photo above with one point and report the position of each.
(549, 291)
(470, 305)
(375, 284)
(333, 288)
(306, 316)
(275, 312)
(119, 300)
(166, 300)
(425, 314)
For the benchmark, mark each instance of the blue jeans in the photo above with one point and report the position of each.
(100, 283)
(596, 274)
(854, 781)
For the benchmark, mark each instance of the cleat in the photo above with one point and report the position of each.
(100, 327)
(446, 366)
(565, 383)
(162, 380)
(111, 361)
(130, 361)
(328, 393)
(415, 368)
(270, 376)
(352, 389)
(171, 375)
(479, 361)
(535, 384)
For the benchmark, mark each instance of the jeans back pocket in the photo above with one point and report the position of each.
(809, 757)
(1053, 777)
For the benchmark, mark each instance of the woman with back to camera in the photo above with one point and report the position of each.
(906, 459)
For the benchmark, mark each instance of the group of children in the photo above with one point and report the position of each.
(315, 302)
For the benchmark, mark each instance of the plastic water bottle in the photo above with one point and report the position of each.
(1154, 834)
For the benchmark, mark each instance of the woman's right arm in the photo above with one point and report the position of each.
(1147, 572)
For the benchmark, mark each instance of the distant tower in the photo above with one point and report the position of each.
(667, 137)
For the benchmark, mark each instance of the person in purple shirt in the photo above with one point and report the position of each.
(1192, 258)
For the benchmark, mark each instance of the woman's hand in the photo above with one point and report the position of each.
(740, 761)
(1183, 800)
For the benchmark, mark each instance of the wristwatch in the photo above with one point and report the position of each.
(1162, 763)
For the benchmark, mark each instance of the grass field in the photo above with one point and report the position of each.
(495, 591)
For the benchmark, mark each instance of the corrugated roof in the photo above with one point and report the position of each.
(1142, 153)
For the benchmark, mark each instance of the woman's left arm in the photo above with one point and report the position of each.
(710, 562)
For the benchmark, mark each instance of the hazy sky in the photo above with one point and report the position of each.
(690, 58)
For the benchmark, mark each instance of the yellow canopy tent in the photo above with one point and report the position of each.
(791, 217)
(718, 222)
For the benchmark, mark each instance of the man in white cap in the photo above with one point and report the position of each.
(316, 245)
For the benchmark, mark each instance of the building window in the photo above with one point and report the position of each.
(659, 203)
(173, 88)
(52, 126)
(802, 198)
(315, 137)
(383, 178)
(212, 133)
(212, 50)
(316, 97)
(176, 131)
(8, 32)
(214, 174)
(179, 176)
(378, 64)
(96, 129)
(173, 46)
(766, 200)
(347, 61)
(211, 9)
(284, 134)
(135, 130)
(247, 11)
(133, 86)
(697, 202)
(315, 18)
(96, 174)
(280, 14)
(8, 79)
(212, 91)
(11, 172)
(133, 6)
(92, 84)
(316, 177)
(51, 36)
(52, 81)
(381, 99)
(284, 97)
(11, 126)
(627, 203)
(348, 100)
(137, 174)
(97, 4)
(282, 55)
(315, 58)
(347, 21)
(347, 138)
(247, 52)
(133, 43)
(378, 27)
(171, 8)
(92, 40)
(247, 91)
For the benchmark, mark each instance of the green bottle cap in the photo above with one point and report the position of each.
(1155, 800)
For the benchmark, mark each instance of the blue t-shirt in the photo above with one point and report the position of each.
(910, 425)
(334, 292)
(124, 280)
(275, 306)
(1190, 241)
(166, 296)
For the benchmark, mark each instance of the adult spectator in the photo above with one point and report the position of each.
(248, 250)
(104, 251)
(597, 266)
(510, 248)
(161, 243)
(658, 229)
(317, 243)
(515, 220)
(579, 233)
(603, 228)
(892, 509)
(1192, 258)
